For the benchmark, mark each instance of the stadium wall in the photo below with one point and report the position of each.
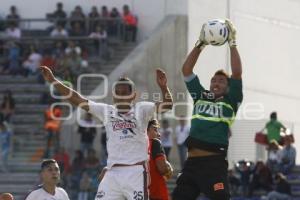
(267, 33)
(149, 13)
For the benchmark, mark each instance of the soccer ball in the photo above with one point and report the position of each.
(216, 32)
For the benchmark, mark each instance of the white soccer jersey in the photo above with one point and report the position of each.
(127, 140)
(41, 194)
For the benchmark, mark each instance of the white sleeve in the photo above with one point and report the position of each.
(148, 109)
(99, 110)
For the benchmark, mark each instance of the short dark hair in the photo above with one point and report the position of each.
(126, 81)
(46, 163)
(273, 115)
(154, 123)
(222, 73)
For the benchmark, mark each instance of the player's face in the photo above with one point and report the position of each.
(153, 132)
(51, 174)
(219, 85)
(123, 96)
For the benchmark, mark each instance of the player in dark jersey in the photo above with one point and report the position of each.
(205, 170)
(160, 168)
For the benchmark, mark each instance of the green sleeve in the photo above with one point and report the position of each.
(194, 87)
(235, 91)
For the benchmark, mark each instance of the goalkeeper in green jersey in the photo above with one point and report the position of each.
(205, 170)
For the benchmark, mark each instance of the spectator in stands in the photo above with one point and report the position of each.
(77, 30)
(244, 168)
(274, 127)
(77, 16)
(87, 130)
(288, 156)
(2, 26)
(104, 17)
(92, 163)
(73, 48)
(234, 182)
(130, 24)
(282, 189)
(84, 187)
(63, 161)
(32, 63)
(274, 156)
(59, 32)
(115, 22)
(7, 106)
(59, 16)
(100, 42)
(262, 178)
(5, 140)
(13, 17)
(182, 131)
(58, 50)
(67, 76)
(14, 52)
(48, 60)
(166, 137)
(52, 127)
(77, 168)
(93, 19)
(13, 31)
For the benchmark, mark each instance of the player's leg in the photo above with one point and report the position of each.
(186, 184)
(135, 182)
(215, 179)
(108, 188)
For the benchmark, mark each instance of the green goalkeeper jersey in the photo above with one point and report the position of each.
(211, 117)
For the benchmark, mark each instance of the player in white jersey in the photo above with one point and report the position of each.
(50, 175)
(127, 141)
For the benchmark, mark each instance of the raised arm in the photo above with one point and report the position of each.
(167, 103)
(73, 97)
(189, 64)
(236, 64)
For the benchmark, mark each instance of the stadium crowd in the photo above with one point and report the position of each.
(70, 40)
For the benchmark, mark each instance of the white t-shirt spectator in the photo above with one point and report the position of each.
(77, 50)
(59, 33)
(33, 62)
(166, 137)
(182, 132)
(13, 33)
(98, 35)
(41, 194)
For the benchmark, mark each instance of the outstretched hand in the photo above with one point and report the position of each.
(47, 73)
(161, 78)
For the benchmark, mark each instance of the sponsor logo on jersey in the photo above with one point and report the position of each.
(218, 186)
(100, 194)
(120, 125)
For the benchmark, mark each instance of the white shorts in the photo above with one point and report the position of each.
(124, 183)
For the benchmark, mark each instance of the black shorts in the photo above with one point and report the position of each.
(206, 175)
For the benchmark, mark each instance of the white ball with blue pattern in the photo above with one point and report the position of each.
(216, 32)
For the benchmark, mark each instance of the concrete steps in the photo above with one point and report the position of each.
(30, 138)
(24, 88)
